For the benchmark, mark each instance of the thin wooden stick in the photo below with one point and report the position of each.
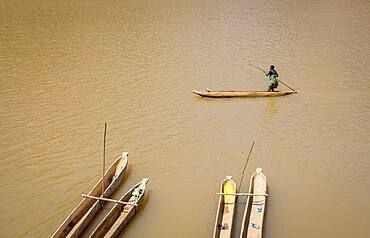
(109, 200)
(287, 85)
(102, 184)
(242, 194)
(245, 166)
(278, 79)
(257, 68)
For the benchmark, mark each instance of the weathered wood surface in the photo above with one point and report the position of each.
(255, 207)
(78, 220)
(120, 215)
(231, 93)
(225, 210)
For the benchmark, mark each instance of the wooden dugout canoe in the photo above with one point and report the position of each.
(252, 222)
(79, 219)
(225, 209)
(120, 215)
(231, 93)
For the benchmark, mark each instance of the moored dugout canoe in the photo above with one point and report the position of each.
(121, 214)
(252, 223)
(79, 219)
(232, 93)
(225, 209)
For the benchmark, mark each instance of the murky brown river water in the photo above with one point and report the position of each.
(69, 66)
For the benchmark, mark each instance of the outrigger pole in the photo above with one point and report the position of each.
(109, 200)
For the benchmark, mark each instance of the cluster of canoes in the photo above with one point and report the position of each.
(126, 207)
(254, 211)
(119, 216)
(81, 217)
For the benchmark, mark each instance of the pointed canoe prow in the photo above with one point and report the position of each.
(145, 180)
(124, 154)
(122, 163)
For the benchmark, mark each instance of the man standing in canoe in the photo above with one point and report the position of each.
(273, 78)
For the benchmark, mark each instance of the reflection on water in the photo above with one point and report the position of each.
(271, 107)
(69, 66)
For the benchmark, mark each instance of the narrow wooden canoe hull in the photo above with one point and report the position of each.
(78, 220)
(120, 215)
(228, 94)
(252, 223)
(225, 210)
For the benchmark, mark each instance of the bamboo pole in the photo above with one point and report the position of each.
(109, 200)
(245, 166)
(102, 184)
(281, 81)
(243, 194)
(258, 68)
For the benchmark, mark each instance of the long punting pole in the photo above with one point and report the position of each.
(278, 79)
(109, 200)
(102, 184)
(243, 194)
(245, 166)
